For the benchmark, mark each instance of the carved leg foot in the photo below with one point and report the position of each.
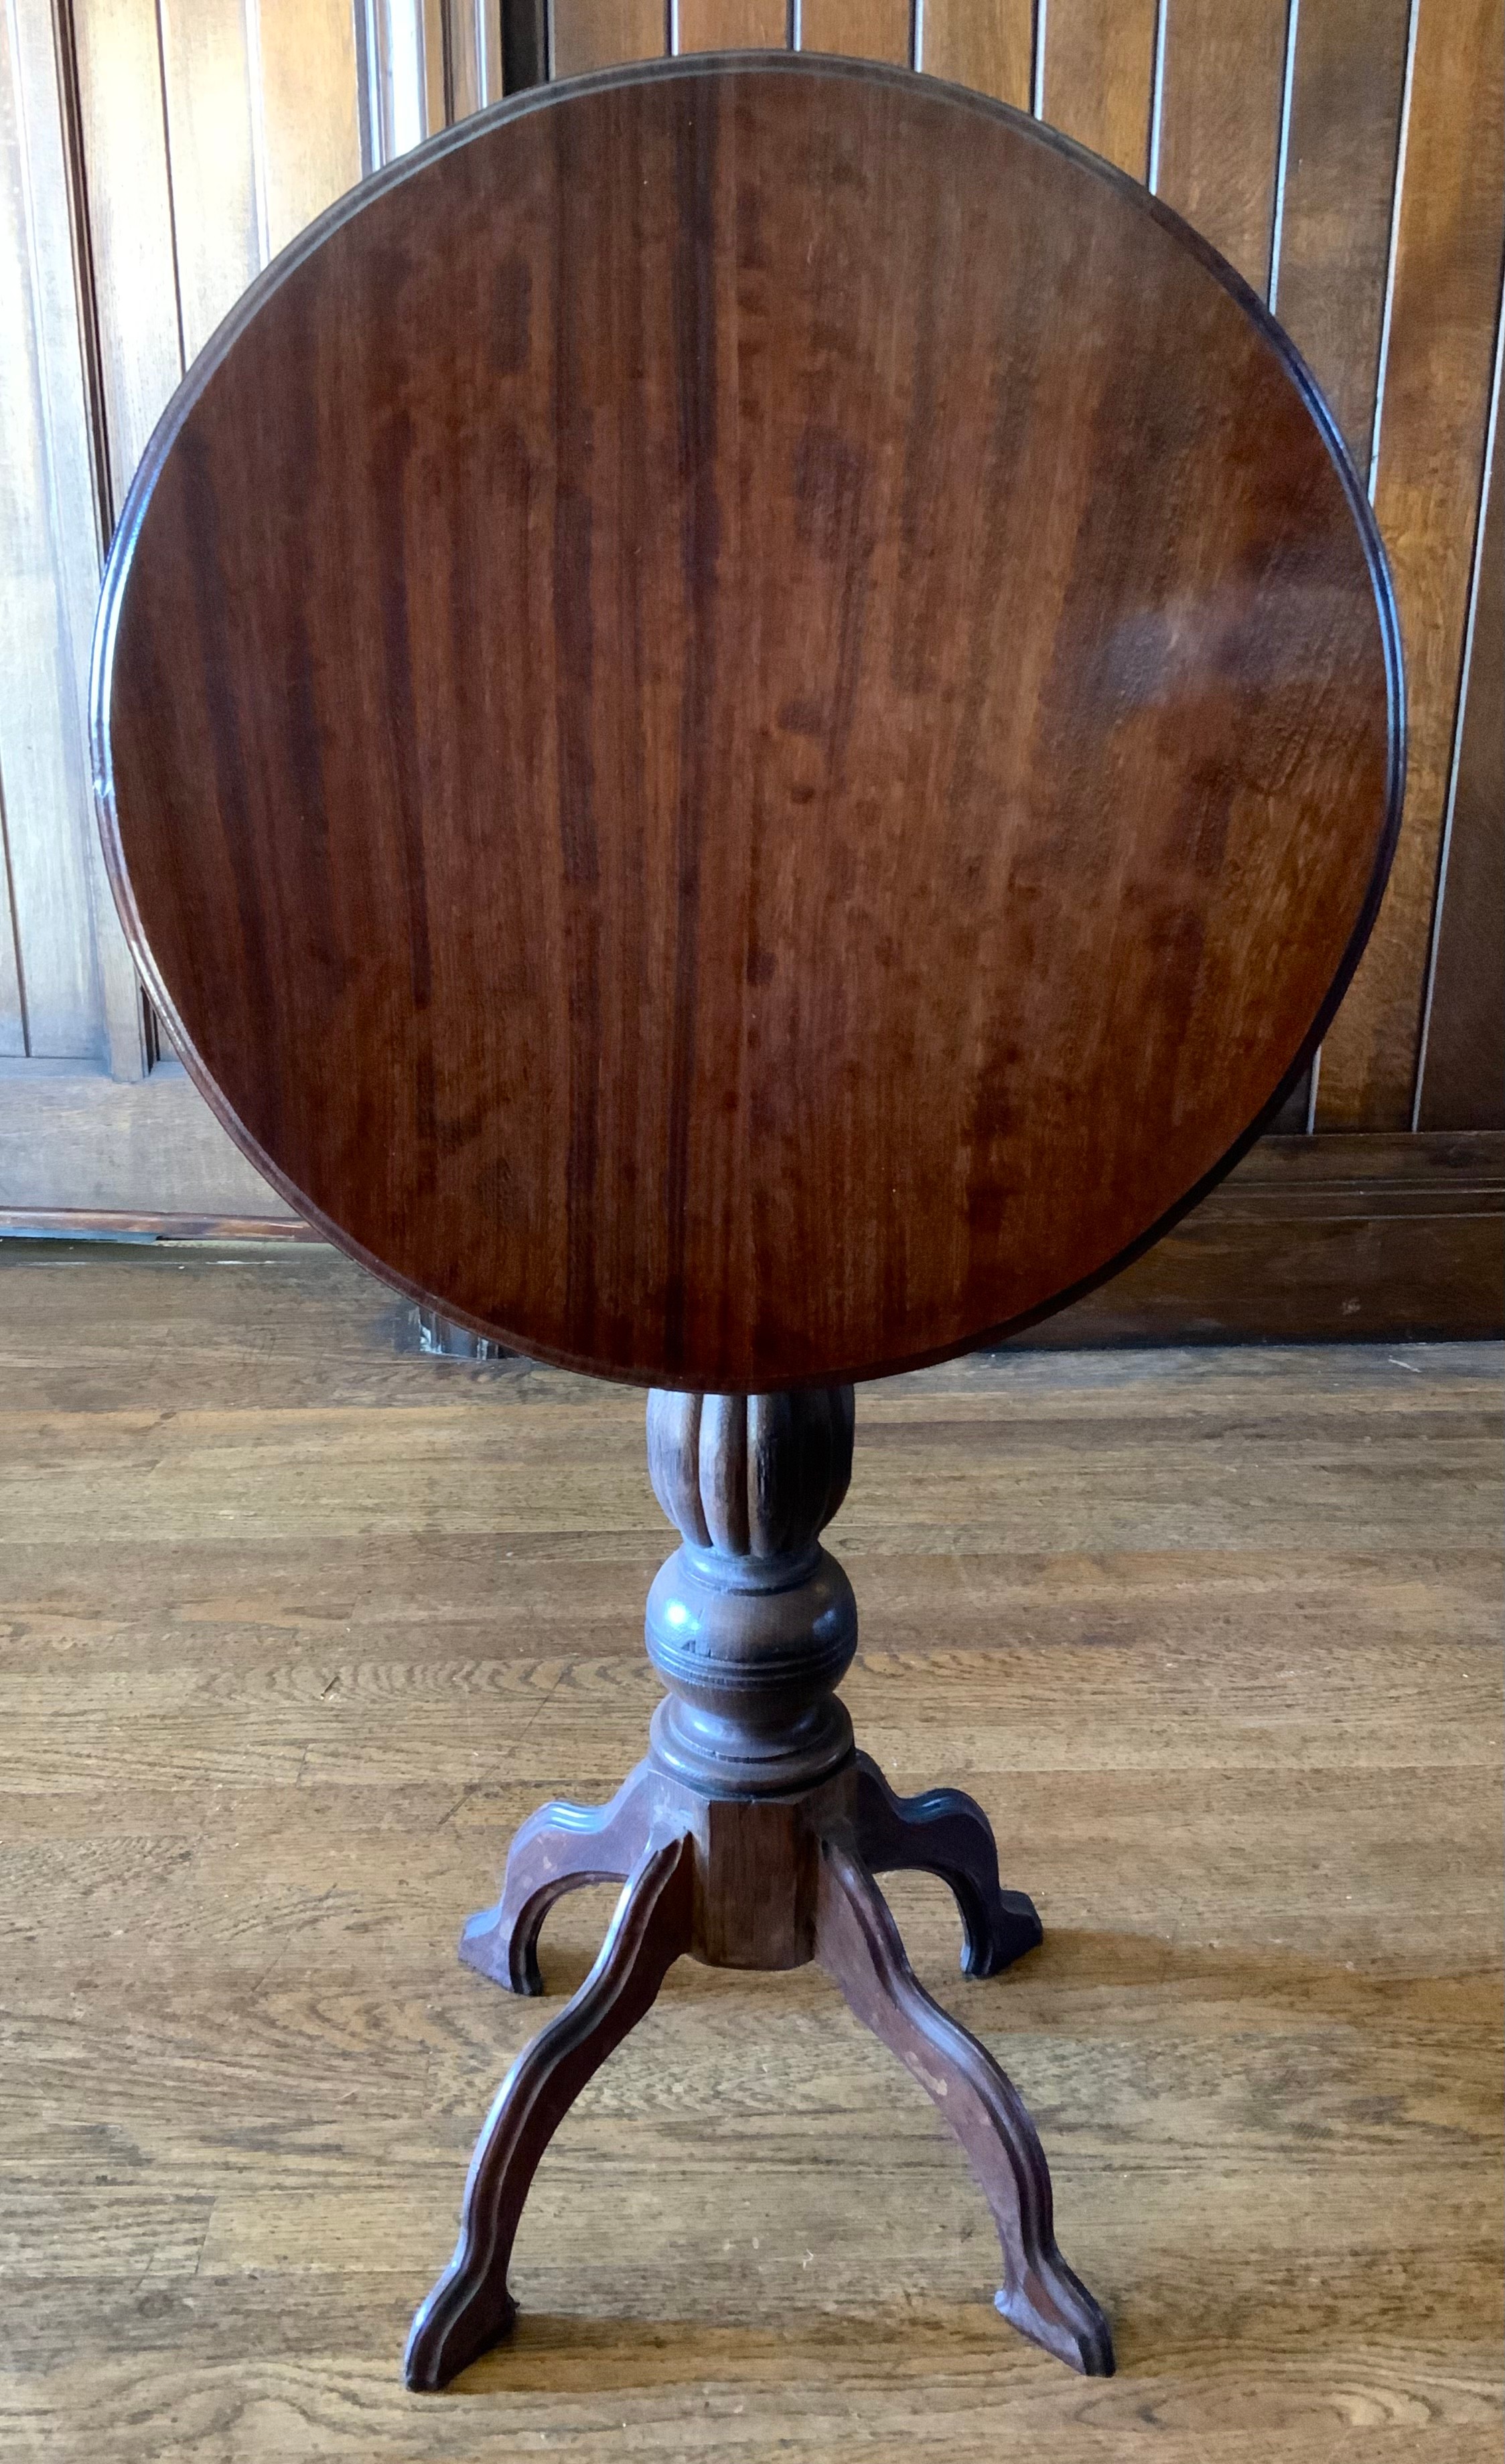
(470, 2309)
(857, 1944)
(946, 1834)
(561, 1848)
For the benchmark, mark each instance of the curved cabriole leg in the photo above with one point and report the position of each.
(857, 1944)
(561, 1848)
(946, 1834)
(470, 2308)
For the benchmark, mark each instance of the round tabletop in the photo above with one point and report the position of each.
(747, 716)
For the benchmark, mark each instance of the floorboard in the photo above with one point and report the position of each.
(296, 1625)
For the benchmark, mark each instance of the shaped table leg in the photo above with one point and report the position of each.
(946, 1834)
(470, 2309)
(857, 1944)
(560, 1848)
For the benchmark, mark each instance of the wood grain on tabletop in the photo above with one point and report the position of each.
(938, 841)
(296, 1629)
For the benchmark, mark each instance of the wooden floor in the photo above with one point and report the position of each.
(297, 1626)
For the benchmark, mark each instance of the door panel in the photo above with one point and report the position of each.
(153, 155)
(67, 990)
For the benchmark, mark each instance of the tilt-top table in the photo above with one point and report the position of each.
(747, 720)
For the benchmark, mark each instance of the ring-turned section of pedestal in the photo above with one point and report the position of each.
(751, 1624)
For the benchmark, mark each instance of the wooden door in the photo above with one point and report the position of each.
(1348, 156)
(157, 153)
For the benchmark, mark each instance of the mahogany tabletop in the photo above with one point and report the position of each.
(746, 717)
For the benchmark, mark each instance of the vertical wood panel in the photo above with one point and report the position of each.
(594, 34)
(464, 57)
(80, 992)
(437, 111)
(471, 32)
(1222, 84)
(207, 78)
(1435, 385)
(731, 25)
(989, 44)
(1335, 210)
(1462, 1079)
(864, 29)
(308, 122)
(130, 223)
(1096, 76)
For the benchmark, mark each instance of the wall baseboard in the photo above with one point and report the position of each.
(82, 1153)
(1338, 1238)
(106, 1223)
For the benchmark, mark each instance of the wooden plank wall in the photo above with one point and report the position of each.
(153, 155)
(1347, 155)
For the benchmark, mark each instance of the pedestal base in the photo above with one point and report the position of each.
(750, 1838)
(764, 1882)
